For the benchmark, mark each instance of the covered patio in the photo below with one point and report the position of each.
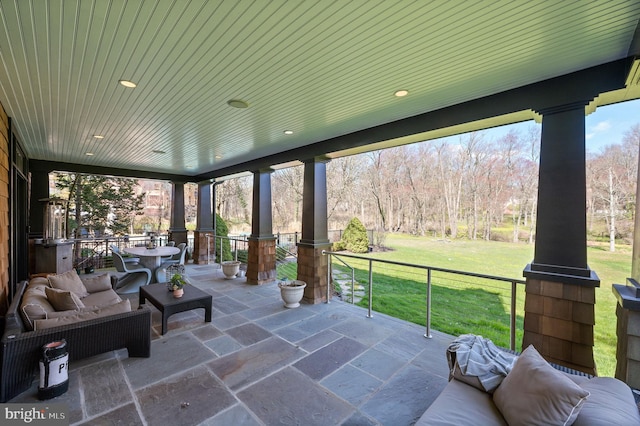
(260, 363)
(204, 91)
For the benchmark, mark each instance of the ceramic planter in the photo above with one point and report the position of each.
(178, 293)
(230, 268)
(292, 292)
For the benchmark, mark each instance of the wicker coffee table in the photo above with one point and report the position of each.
(163, 299)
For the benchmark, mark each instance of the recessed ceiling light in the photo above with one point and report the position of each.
(98, 136)
(218, 157)
(288, 132)
(88, 154)
(188, 167)
(401, 93)
(158, 151)
(127, 83)
(237, 103)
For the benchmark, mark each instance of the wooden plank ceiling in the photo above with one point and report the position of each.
(317, 68)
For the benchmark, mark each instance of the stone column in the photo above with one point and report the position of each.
(312, 264)
(261, 263)
(204, 225)
(628, 332)
(177, 229)
(560, 290)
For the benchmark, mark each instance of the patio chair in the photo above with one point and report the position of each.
(125, 257)
(135, 275)
(176, 259)
(169, 244)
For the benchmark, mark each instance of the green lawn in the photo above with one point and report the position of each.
(470, 305)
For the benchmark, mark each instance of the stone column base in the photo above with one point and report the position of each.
(261, 264)
(312, 269)
(558, 321)
(199, 253)
(628, 333)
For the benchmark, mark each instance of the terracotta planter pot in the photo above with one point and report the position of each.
(292, 292)
(230, 268)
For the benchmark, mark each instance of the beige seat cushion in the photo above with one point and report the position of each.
(610, 403)
(535, 393)
(69, 281)
(101, 299)
(63, 300)
(462, 404)
(119, 308)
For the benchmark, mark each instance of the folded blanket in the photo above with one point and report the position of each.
(480, 357)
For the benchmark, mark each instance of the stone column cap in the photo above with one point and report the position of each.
(626, 297)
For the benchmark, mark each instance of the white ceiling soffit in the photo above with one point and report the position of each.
(318, 68)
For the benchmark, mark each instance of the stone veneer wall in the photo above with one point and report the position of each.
(261, 264)
(4, 210)
(559, 320)
(199, 254)
(312, 269)
(628, 346)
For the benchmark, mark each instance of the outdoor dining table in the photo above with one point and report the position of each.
(151, 258)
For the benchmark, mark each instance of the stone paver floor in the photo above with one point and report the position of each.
(258, 363)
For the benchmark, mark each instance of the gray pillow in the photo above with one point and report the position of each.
(69, 281)
(63, 300)
(535, 393)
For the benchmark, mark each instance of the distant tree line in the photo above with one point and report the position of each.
(474, 187)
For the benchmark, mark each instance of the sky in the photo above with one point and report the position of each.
(606, 126)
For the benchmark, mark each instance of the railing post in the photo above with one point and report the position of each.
(428, 325)
(329, 283)
(235, 247)
(353, 279)
(369, 315)
(512, 325)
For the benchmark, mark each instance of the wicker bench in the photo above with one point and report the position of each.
(21, 349)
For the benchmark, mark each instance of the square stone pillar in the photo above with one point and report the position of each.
(312, 269)
(628, 333)
(261, 264)
(200, 241)
(559, 320)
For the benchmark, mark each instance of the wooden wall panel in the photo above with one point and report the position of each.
(4, 210)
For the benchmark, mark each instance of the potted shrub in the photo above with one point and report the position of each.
(291, 292)
(89, 267)
(176, 284)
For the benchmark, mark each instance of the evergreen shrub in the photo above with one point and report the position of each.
(355, 237)
(222, 231)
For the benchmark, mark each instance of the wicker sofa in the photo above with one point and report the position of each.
(533, 392)
(103, 324)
